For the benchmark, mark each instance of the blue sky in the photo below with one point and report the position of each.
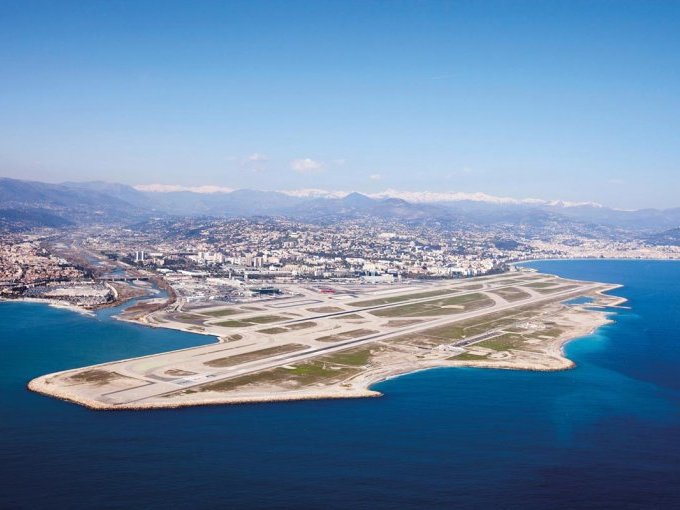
(569, 100)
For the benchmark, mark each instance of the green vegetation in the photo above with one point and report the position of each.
(400, 323)
(96, 376)
(277, 330)
(250, 321)
(466, 356)
(511, 294)
(310, 370)
(267, 376)
(513, 280)
(176, 372)
(254, 355)
(318, 371)
(325, 309)
(351, 316)
(264, 319)
(273, 331)
(234, 324)
(354, 357)
(223, 312)
(502, 342)
(497, 320)
(188, 317)
(478, 325)
(304, 374)
(550, 332)
(466, 302)
(489, 322)
(420, 340)
(541, 285)
(563, 288)
(474, 286)
(301, 325)
(449, 332)
(403, 297)
(346, 335)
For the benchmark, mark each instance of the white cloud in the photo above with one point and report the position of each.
(171, 188)
(307, 166)
(255, 162)
(409, 196)
(375, 177)
(315, 193)
(256, 156)
(439, 196)
(458, 196)
(446, 196)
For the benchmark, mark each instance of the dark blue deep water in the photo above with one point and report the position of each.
(604, 435)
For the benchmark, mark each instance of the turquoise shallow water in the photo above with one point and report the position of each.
(604, 435)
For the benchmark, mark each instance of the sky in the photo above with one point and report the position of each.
(568, 100)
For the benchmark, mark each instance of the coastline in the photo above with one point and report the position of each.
(538, 412)
(590, 259)
(552, 358)
(121, 294)
(54, 303)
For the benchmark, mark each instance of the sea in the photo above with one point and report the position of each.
(603, 435)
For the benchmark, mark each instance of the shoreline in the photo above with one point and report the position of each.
(39, 387)
(359, 386)
(590, 259)
(54, 303)
(120, 300)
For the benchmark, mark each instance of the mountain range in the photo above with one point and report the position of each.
(27, 204)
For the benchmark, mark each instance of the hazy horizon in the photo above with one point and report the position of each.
(572, 101)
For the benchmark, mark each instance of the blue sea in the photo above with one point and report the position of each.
(604, 435)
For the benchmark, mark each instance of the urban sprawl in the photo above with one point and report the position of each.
(226, 260)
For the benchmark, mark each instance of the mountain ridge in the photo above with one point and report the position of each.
(73, 203)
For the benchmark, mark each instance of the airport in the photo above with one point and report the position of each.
(304, 341)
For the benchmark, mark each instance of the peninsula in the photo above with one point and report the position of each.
(335, 341)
